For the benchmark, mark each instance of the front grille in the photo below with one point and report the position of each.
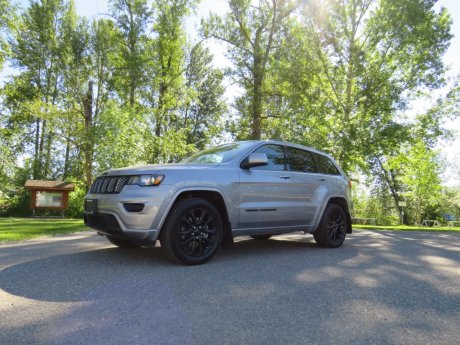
(108, 184)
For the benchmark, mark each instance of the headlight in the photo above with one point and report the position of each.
(146, 180)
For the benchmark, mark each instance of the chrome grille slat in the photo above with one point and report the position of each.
(111, 184)
(104, 185)
(99, 185)
(108, 184)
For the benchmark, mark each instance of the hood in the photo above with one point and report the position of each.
(157, 168)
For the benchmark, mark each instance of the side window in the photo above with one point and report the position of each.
(275, 155)
(324, 165)
(299, 160)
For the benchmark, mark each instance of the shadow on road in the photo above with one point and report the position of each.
(377, 288)
(65, 278)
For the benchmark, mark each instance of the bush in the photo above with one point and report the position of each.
(16, 205)
(388, 220)
(75, 209)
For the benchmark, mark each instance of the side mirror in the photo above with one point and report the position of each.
(254, 160)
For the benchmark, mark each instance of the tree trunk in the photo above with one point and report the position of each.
(388, 177)
(89, 140)
(256, 111)
(160, 109)
(257, 96)
(40, 150)
(47, 164)
(66, 159)
(36, 163)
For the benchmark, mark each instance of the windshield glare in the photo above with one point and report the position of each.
(218, 154)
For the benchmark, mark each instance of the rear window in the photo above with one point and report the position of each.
(324, 165)
(299, 160)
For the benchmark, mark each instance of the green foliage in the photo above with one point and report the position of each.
(255, 35)
(204, 107)
(75, 209)
(132, 18)
(15, 198)
(93, 94)
(406, 228)
(7, 20)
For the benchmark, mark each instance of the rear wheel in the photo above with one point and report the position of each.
(333, 227)
(193, 232)
(261, 237)
(122, 243)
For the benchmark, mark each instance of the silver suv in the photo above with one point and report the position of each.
(255, 188)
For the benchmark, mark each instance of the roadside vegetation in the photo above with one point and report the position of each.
(18, 229)
(132, 86)
(405, 228)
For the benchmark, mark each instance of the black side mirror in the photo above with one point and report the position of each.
(254, 160)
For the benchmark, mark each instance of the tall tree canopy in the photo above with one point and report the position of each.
(132, 87)
(254, 34)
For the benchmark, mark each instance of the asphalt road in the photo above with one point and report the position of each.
(378, 288)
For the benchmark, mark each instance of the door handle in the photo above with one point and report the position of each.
(321, 179)
(285, 177)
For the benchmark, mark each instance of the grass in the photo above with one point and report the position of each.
(18, 229)
(406, 228)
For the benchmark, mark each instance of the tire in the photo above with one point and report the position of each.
(193, 232)
(332, 229)
(261, 237)
(122, 243)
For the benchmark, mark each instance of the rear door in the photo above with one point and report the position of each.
(305, 186)
(330, 178)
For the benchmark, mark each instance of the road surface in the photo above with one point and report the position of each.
(385, 287)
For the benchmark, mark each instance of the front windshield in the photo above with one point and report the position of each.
(217, 154)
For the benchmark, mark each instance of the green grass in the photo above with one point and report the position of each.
(18, 229)
(406, 228)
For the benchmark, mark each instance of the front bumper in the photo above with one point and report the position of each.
(108, 224)
(112, 218)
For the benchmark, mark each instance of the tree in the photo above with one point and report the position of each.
(37, 50)
(132, 18)
(166, 91)
(254, 34)
(374, 55)
(204, 108)
(7, 17)
(421, 177)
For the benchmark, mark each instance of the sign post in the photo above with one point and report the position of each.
(402, 204)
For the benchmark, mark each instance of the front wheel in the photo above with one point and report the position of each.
(193, 232)
(333, 227)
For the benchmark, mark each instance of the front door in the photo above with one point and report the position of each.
(265, 196)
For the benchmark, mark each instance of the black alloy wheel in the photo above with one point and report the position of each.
(197, 233)
(333, 227)
(193, 232)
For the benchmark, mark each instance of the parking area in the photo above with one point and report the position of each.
(385, 287)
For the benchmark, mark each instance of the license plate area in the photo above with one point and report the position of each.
(91, 206)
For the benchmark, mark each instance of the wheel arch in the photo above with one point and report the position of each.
(342, 202)
(213, 196)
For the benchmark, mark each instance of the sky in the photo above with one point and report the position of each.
(450, 150)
